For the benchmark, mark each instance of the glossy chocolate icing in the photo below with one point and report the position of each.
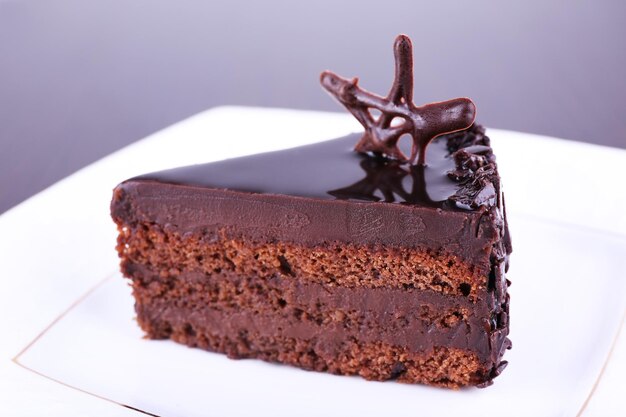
(327, 170)
(325, 192)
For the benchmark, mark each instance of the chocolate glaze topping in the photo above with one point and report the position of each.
(328, 170)
(306, 195)
(422, 123)
(461, 173)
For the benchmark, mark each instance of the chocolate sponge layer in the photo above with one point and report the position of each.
(382, 313)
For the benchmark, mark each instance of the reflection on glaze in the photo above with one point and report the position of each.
(327, 170)
(389, 181)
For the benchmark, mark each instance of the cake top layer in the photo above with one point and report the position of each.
(330, 170)
(460, 173)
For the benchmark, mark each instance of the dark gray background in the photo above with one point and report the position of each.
(80, 79)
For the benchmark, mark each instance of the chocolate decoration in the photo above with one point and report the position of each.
(423, 123)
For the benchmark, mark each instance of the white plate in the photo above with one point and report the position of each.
(70, 345)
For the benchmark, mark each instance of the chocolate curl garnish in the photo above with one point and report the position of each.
(422, 123)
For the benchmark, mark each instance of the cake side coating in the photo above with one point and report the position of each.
(404, 288)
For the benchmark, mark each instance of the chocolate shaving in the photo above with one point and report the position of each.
(423, 123)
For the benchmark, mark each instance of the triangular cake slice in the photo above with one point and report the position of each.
(328, 260)
(369, 263)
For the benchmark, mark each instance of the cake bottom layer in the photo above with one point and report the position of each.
(407, 314)
(378, 333)
(379, 361)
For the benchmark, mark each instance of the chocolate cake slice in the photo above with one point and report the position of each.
(328, 259)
